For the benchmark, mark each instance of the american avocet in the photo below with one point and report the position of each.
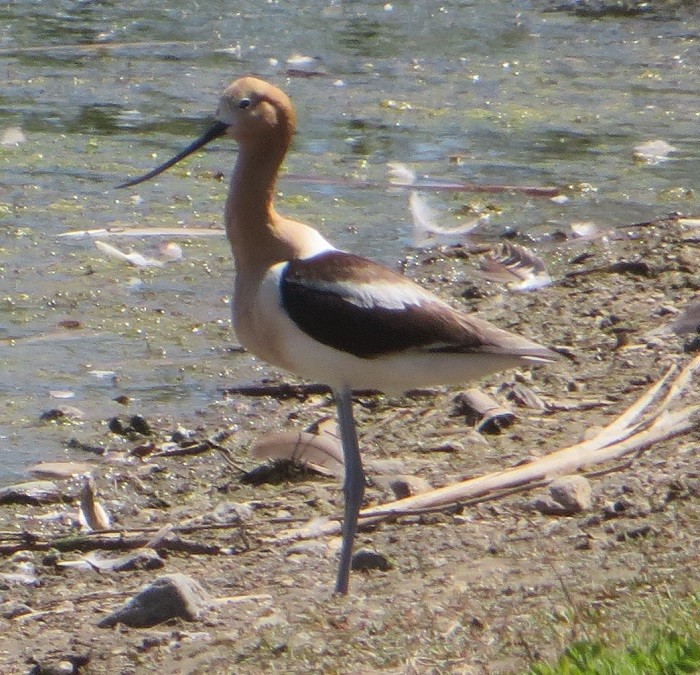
(328, 315)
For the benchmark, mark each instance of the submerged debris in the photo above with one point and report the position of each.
(653, 152)
(12, 136)
(133, 258)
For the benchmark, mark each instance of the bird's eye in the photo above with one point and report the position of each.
(244, 103)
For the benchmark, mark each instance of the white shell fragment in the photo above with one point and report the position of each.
(586, 230)
(300, 65)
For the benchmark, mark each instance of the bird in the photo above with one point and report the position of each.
(326, 314)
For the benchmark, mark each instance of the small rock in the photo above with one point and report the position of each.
(568, 495)
(406, 486)
(548, 507)
(630, 508)
(168, 597)
(305, 548)
(448, 447)
(635, 532)
(140, 425)
(572, 492)
(692, 345)
(232, 512)
(63, 665)
(143, 559)
(688, 322)
(366, 559)
(25, 574)
(65, 413)
(583, 542)
(34, 492)
(181, 434)
(524, 397)
(12, 136)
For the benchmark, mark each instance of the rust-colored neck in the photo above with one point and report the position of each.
(258, 235)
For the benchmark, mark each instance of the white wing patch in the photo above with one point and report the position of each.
(379, 294)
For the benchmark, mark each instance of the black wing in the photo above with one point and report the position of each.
(354, 305)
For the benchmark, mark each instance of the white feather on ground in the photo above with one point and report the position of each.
(517, 267)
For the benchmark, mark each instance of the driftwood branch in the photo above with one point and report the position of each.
(437, 186)
(116, 540)
(647, 421)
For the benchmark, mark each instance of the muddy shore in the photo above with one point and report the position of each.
(480, 589)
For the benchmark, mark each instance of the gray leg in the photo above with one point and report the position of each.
(353, 488)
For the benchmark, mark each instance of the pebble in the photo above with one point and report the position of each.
(572, 492)
(367, 559)
(568, 495)
(448, 447)
(67, 664)
(142, 559)
(26, 577)
(406, 486)
(635, 532)
(231, 512)
(67, 413)
(168, 597)
(181, 434)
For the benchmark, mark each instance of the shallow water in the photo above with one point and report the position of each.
(486, 92)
